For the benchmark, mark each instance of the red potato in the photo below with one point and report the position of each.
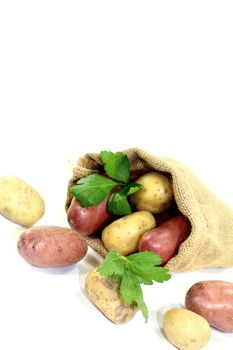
(165, 239)
(88, 220)
(51, 246)
(213, 300)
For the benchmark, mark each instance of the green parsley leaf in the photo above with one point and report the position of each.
(132, 271)
(131, 292)
(143, 265)
(118, 203)
(92, 190)
(116, 165)
(113, 265)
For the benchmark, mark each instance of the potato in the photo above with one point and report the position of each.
(213, 300)
(19, 202)
(124, 234)
(185, 329)
(166, 239)
(156, 194)
(88, 220)
(51, 246)
(105, 295)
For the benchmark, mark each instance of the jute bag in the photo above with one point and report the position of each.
(210, 243)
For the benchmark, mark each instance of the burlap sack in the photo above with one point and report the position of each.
(210, 243)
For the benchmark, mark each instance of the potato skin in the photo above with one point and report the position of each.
(51, 246)
(104, 294)
(186, 329)
(124, 234)
(166, 239)
(19, 202)
(213, 300)
(156, 195)
(88, 220)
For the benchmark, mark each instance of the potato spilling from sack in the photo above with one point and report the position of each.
(19, 202)
(213, 300)
(105, 295)
(185, 329)
(51, 246)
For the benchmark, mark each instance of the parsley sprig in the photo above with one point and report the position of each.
(92, 190)
(132, 271)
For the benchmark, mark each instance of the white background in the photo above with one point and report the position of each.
(80, 76)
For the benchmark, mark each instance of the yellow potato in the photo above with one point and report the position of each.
(104, 294)
(124, 234)
(186, 329)
(19, 202)
(156, 194)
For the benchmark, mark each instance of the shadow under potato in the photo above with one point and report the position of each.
(70, 269)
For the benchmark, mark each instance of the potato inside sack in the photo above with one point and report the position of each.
(166, 239)
(123, 235)
(156, 194)
(90, 220)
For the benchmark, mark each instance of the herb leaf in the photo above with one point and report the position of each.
(118, 203)
(112, 265)
(92, 190)
(143, 265)
(132, 271)
(131, 292)
(116, 165)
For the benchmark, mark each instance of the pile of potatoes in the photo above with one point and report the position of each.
(207, 303)
(156, 225)
(152, 205)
